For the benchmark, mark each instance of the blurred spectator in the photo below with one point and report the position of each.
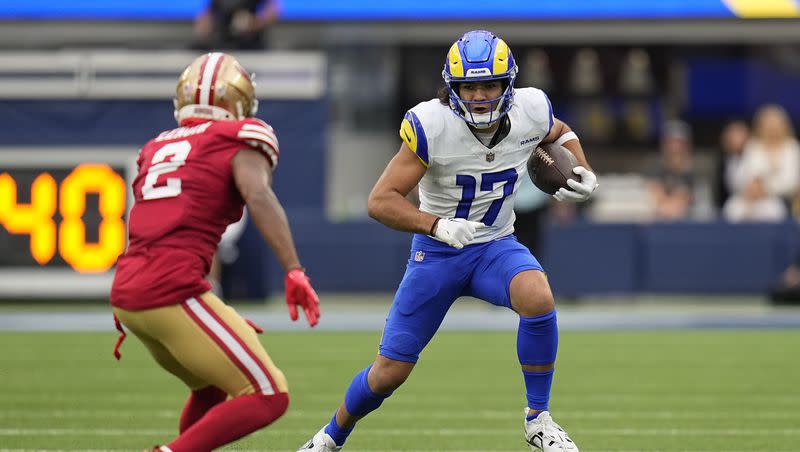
(773, 152)
(594, 115)
(787, 290)
(636, 75)
(671, 181)
(234, 24)
(769, 174)
(732, 141)
(586, 78)
(227, 252)
(754, 204)
(636, 84)
(536, 71)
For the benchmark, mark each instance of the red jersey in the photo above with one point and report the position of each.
(184, 198)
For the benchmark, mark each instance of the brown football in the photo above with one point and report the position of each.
(549, 167)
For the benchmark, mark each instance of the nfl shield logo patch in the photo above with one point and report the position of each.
(419, 256)
(490, 157)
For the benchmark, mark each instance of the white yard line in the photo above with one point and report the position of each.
(458, 415)
(132, 400)
(383, 450)
(428, 432)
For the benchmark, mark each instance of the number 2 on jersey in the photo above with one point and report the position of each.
(179, 151)
(488, 180)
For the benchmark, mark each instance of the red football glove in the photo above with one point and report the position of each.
(300, 293)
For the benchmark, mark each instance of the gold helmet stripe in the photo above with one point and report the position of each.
(454, 59)
(200, 80)
(209, 76)
(500, 64)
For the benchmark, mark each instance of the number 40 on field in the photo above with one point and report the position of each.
(36, 219)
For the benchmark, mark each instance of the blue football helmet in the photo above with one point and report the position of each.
(480, 56)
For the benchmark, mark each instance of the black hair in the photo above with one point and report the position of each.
(444, 95)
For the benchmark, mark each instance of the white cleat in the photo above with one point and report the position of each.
(321, 442)
(543, 434)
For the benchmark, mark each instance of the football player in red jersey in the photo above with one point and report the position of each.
(192, 182)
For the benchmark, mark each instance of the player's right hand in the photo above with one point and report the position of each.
(300, 293)
(457, 232)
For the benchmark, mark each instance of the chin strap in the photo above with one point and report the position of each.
(501, 132)
(121, 338)
(481, 120)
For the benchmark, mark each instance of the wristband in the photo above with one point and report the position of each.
(433, 226)
(569, 136)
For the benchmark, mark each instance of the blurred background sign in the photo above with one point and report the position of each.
(72, 124)
(83, 81)
(62, 213)
(401, 10)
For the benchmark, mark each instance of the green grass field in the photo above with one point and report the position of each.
(614, 391)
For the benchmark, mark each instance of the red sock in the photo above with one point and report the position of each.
(199, 403)
(230, 421)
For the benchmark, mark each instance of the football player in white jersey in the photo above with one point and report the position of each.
(467, 151)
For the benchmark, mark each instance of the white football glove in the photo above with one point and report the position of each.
(457, 232)
(581, 191)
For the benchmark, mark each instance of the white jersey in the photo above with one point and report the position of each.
(466, 179)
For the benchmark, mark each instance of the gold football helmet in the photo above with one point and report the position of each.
(215, 86)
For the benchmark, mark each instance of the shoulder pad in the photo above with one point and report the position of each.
(419, 126)
(536, 105)
(258, 135)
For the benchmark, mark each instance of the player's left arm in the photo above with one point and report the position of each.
(562, 134)
(252, 174)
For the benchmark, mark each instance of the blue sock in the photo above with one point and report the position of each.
(359, 401)
(338, 434)
(533, 416)
(537, 385)
(537, 344)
